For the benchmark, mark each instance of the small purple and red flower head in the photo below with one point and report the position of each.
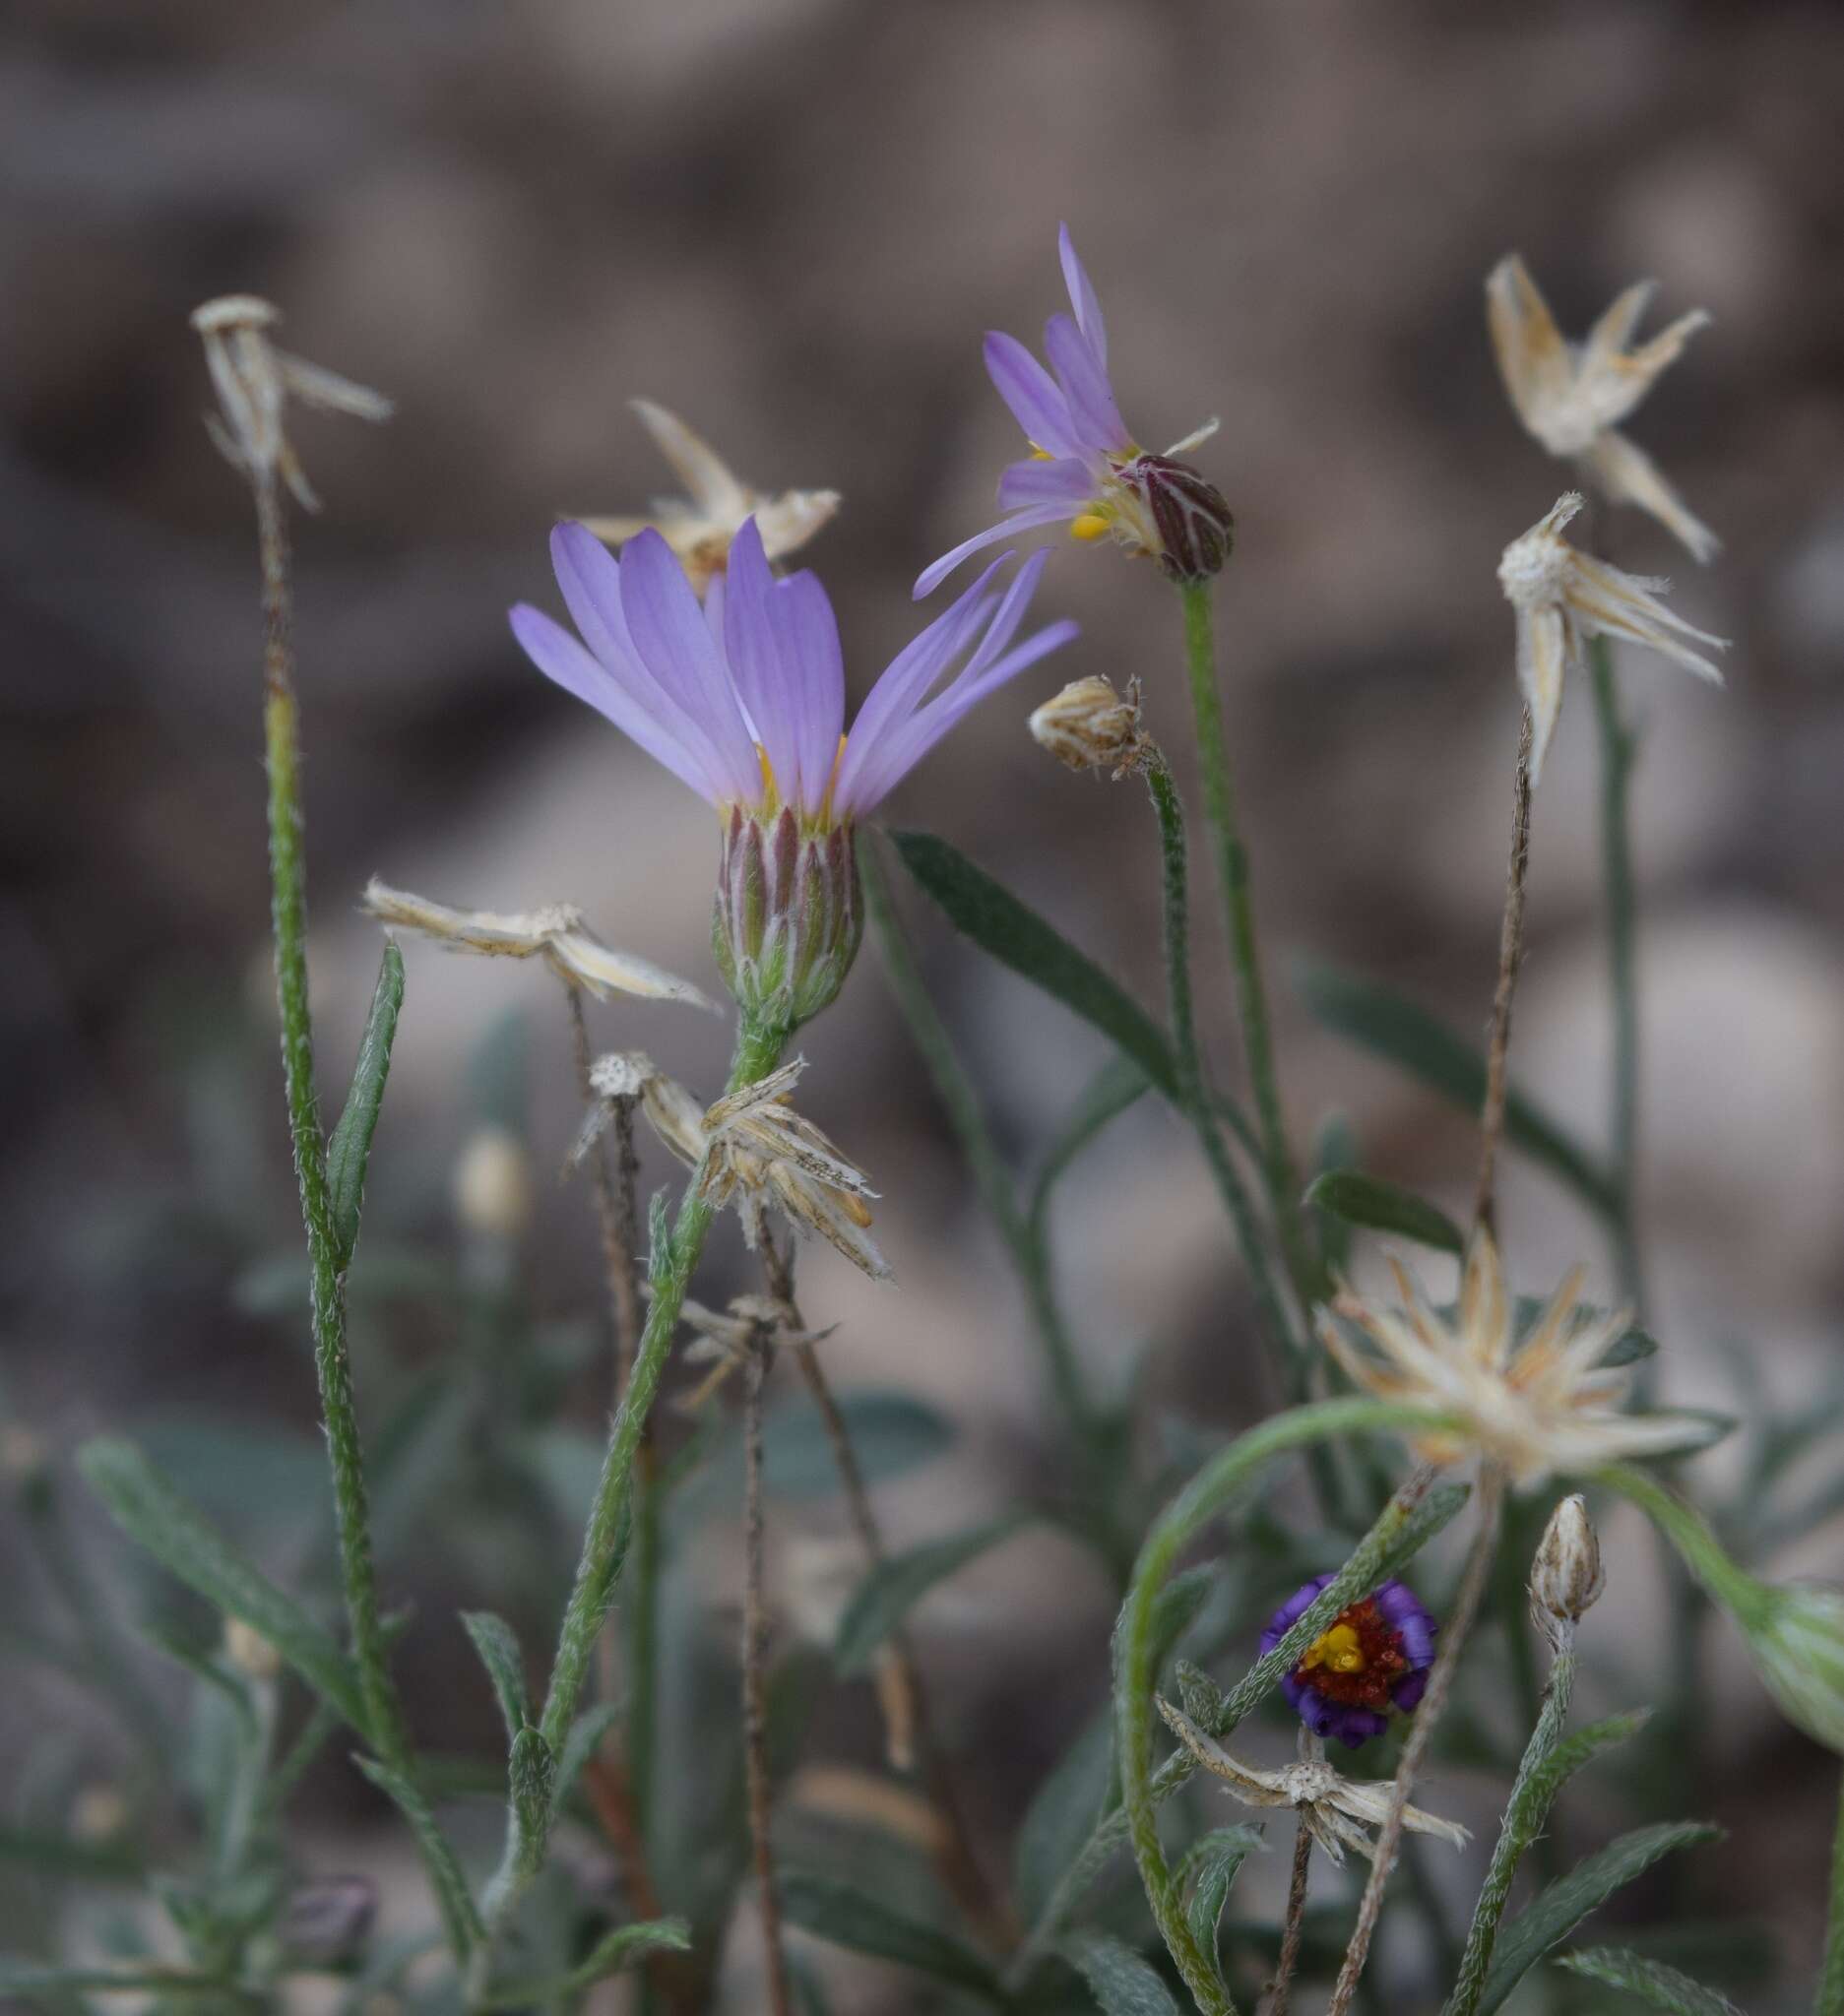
(1372, 1657)
(1085, 470)
(741, 696)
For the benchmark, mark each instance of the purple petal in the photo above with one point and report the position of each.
(1292, 1611)
(560, 657)
(1354, 1727)
(907, 678)
(1069, 484)
(810, 646)
(908, 745)
(1409, 1691)
(1082, 297)
(1090, 399)
(932, 575)
(590, 582)
(766, 679)
(674, 644)
(1037, 405)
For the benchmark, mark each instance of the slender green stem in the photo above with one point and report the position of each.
(992, 1178)
(641, 1735)
(1532, 1791)
(1830, 1997)
(757, 1052)
(1194, 1087)
(1619, 748)
(759, 1800)
(1282, 1179)
(1135, 1646)
(288, 867)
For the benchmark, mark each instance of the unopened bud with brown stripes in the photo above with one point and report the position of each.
(789, 913)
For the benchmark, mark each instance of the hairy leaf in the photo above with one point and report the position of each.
(1014, 934)
(348, 1151)
(1062, 1815)
(1650, 1980)
(1121, 1982)
(1555, 1912)
(151, 1512)
(1381, 1207)
(499, 1653)
(851, 1918)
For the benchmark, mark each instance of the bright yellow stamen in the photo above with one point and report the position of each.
(1340, 1650)
(1041, 454)
(771, 792)
(1090, 526)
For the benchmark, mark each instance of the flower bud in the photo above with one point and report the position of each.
(1088, 725)
(1194, 526)
(1566, 1577)
(790, 915)
(492, 1186)
(249, 1651)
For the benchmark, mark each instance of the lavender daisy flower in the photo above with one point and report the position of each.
(1085, 470)
(1372, 1657)
(742, 698)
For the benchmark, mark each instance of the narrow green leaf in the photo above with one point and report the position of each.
(1178, 1605)
(1389, 1026)
(894, 1587)
(1650, 1980)
(1117, 1086)
(453, 1899)
(581, 1744)
(1572, 1752)
(1555, 1912)
(1062, 1815)
(350, 1150)
(1334, 1148)
(1381, 1207)
(987, 912)
(499, 1653)
(1628, 1350)
(851, 1918)
(152, 1513)
(1211, 1867)
(610, 1953)
(1121, 1982)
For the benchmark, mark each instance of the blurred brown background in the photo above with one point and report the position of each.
(790, 220)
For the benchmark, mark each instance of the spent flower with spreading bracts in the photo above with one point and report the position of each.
(742, 698)
(701, 525)
(1562, 597)
(1372, 1657)
(1546, 1403)
(557, 933)
(1335, 1810)
(255, 380)
(1085, 470)
(1572, 395)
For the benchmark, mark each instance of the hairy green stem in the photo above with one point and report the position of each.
(757, 1052)
(1283, 1181)
(287, 869)
(1136, 1644)
(1524, 1814)
(1619, 748)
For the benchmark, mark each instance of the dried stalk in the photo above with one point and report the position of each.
(754, 1677)
(1511, 955)
(1294, 1924)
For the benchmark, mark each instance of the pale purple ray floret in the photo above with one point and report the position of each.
(1086, 470)
(743, 696)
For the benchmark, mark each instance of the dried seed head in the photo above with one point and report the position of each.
(1566, 1578)
(250, 1652)
(1089, 726)
(254, 382)
(492, 1185)
(98, 1813)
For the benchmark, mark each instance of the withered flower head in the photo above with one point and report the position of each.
(1089, 726)
(1572, 396)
